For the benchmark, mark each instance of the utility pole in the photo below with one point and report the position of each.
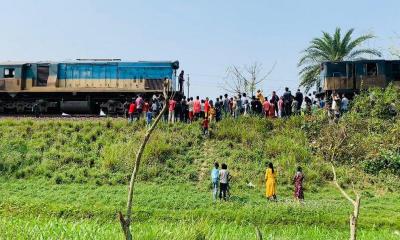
(188, 85)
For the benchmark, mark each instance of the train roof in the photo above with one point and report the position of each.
(86, 61)
(359, 61)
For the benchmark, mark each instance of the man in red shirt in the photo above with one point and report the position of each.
(266, 107)
(171, 114)
(197, 107)
(132, 109)
(206, 107)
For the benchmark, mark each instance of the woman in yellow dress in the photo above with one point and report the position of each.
(270, 182)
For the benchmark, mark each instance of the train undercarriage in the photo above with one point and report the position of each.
(79, 102)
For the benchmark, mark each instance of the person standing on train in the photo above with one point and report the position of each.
(181, 80)
(139, 106)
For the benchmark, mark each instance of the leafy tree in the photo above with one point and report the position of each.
(331, 48)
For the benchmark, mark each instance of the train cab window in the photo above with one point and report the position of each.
(337, 70)
(372, 69)
(9, 73)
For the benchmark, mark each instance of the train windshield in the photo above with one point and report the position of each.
(336, 70)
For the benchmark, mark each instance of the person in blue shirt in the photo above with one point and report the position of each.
(215, 180)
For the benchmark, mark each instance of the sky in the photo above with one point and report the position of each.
(205, 36)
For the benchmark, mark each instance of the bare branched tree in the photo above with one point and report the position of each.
(356, 204)
(126, 220)
(245, 79)
(333, 148)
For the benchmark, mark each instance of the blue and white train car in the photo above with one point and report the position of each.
(80, 86)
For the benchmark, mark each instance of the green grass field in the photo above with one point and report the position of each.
(67, 179)
(37, 209)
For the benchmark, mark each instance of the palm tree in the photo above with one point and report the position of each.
(331, 48)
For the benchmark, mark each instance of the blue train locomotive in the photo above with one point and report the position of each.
(80, 86)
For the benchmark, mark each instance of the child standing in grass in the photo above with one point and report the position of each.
(215, 180)
(204, 126)
(224, 181)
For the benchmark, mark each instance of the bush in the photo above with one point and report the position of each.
(385, 161)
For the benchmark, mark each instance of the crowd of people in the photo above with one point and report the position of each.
(220, 179)
(182, 109)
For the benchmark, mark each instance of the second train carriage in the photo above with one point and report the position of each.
(80, 86)
(353, 76)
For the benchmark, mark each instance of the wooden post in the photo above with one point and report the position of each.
(126, 221)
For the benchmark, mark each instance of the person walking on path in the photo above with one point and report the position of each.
(224, 181)
(298, 185)
(215, 180)
(270, 182)
(204, 126)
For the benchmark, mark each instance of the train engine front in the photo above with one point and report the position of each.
(349, 77)
(84, 86)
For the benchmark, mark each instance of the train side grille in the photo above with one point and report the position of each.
(153, 84)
